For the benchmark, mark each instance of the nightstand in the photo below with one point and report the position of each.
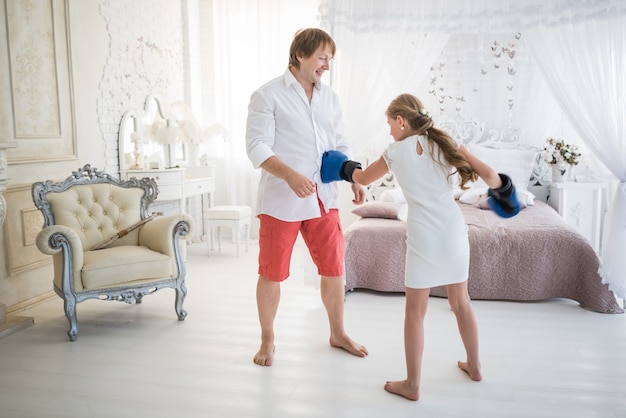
(582, 205)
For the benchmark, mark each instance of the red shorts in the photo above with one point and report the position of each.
(323, 237)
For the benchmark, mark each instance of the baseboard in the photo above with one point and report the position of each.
(22, 306)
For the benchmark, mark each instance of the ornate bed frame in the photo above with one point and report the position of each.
(465, 129)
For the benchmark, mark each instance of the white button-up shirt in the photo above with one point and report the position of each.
(282, 123)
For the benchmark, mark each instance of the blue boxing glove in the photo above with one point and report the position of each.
(336, 166)
(503, 200)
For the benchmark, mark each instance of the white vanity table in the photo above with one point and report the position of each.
(200, 180)
(179, 183)
(147, 133)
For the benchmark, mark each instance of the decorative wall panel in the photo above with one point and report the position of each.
(22, 224)
(37, 40)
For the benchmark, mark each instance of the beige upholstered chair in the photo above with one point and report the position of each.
(88, 209)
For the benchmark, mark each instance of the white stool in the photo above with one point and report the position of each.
(234, 217)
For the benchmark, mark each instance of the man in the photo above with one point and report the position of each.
(292, 120)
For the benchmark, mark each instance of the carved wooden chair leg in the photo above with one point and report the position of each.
(181, 293)
(70, 312)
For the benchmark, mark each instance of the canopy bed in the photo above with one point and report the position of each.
(509, 64)
(533, 256)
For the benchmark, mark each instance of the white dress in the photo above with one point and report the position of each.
(437, 242)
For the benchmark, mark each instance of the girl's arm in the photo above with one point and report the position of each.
(373, 172)
(483, 170)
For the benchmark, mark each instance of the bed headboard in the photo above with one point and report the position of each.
(465, 129)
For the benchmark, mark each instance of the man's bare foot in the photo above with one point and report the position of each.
(265, 355)
(403, 388)
(473, 373)
(350, 346)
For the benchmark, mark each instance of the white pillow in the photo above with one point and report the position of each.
(517, 164)
(472, 196)
(393, 195)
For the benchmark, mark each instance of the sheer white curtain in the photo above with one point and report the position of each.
(462, 16)
(498, 89)
(252, 39)
(387, 47)
(585, 65)
(371, 69)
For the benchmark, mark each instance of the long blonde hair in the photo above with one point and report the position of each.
(420, 122)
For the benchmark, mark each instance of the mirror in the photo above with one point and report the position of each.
(126, 148)
(148, 139)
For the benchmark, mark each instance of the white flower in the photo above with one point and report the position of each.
(558, 152)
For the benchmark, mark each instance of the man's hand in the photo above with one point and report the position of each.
(300, 184)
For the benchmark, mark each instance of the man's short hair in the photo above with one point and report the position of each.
(306, 42)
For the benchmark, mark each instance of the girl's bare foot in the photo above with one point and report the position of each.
(403, 388)
(265, 355)
(350, 346)
(474, 373)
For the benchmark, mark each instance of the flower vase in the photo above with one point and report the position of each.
(558, 174)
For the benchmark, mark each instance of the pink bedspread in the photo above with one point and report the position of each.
(533, 256)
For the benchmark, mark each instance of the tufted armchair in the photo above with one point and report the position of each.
(91, 209)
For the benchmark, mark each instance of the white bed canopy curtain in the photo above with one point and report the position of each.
(388, 47)
(585, 65)
(373, 65)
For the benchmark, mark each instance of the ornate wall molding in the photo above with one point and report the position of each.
(39, 83)
(26, 221)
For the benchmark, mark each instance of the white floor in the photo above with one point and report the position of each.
(544, 359)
